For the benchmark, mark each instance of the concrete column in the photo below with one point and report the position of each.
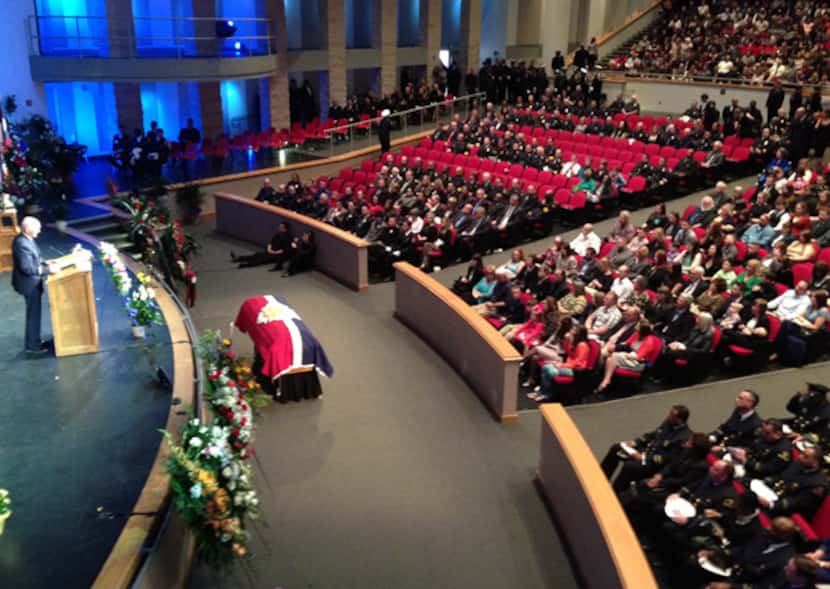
(278, 83)
(555, 22)
(385, 40)
(431, 13)
(121, 28)
(209, 45)
(335, 32)
(597, 13)
(468, 53)
(128, 105)
(210, 103)
(529, 23)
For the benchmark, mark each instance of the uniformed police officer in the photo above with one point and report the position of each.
(652, 451)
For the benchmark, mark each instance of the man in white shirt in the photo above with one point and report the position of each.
(586, 238)
(793, 303)
(622, 286)
(572, 168)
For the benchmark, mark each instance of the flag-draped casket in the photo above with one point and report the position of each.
(281, 337)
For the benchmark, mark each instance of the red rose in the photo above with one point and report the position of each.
(235, 431)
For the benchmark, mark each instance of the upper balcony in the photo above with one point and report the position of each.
(70, 48)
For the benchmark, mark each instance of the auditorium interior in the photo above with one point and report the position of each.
(409, 293)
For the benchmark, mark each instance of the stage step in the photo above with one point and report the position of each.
(104, 226)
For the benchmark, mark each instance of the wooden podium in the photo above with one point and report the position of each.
(72, 303)
(8, 231)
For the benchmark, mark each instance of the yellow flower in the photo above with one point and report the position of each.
(208, 481)
(222, 499)
(226, 342)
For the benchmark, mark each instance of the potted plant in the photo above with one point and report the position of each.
(189, 200)
(5, 508)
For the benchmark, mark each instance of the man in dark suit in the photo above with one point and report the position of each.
(27, 280)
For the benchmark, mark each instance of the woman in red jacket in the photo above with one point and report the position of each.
(577, 350)
(641, 345)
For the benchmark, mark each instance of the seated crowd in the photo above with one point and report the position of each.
(741, 506)
(760, 42)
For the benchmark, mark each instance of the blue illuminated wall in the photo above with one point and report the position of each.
(155, 37)
(240, 105)
(451, 24)
(239, 10)
(493, 28)
(84, 112)
(358, 15)
(409, 23)
(303, 24)
(59, 30)
(170, 104)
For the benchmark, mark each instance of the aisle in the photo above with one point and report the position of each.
(398, 477)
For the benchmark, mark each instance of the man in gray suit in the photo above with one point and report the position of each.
(27, 279)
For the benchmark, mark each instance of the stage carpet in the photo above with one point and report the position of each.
(78, 436)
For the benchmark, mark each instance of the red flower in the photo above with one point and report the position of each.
(235, 431)
(231, 354)
(243, 422)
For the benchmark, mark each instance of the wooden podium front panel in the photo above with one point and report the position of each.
(74, 319)
(8, 231)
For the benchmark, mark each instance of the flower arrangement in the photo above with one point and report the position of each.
(219, 358)
(142, 306)
(5, 508)
(212, 490)
(117, 270)
(140, 298)
(210, 472)
(38, 162)
(162, 241)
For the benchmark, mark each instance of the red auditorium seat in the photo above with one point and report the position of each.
(749, 358)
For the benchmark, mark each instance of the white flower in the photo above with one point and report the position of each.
(196, 490)
(194, 421)
(225, 537)
(195, 442)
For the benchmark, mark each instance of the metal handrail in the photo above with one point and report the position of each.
(131, 43)
(405, 113)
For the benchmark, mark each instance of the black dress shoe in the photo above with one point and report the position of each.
(47, 344)
(36, 351)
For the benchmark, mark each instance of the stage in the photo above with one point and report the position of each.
(78, 437)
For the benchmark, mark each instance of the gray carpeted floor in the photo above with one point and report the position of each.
(399, 477)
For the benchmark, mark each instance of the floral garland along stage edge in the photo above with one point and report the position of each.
(139, 300)
(210, 472)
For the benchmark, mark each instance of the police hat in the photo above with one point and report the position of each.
(817, 388)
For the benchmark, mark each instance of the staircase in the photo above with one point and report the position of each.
(106, 227)
(625, 48)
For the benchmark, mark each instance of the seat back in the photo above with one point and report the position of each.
(774, 327)
(715, 338)
(655, 353)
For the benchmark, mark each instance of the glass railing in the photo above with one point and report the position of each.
(350, 135)
(149, 37)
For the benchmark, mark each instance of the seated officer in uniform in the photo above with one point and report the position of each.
(768, 455)
(811, 410)
(652, 451)
(739, 429)
(800, 488)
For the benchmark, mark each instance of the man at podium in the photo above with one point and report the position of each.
(27, 279)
